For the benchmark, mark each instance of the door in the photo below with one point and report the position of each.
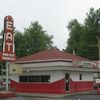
(67, 81)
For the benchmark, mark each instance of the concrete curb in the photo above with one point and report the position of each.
(54, 95)
(41, 95)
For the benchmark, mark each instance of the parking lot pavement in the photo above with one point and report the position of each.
(72, 97)
(83, 97)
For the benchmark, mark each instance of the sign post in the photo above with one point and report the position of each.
(8, 53)
(7, 76)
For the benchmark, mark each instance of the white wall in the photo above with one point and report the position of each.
(57, 75)
(86, 76)
(54, 75)
(15, 78)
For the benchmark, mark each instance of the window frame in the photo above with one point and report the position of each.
(35, 78)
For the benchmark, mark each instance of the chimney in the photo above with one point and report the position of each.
(73, 52)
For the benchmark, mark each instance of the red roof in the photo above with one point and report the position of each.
(49, 55)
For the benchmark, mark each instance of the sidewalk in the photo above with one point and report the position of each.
(40, 95)
(6, 94)
(54, 95)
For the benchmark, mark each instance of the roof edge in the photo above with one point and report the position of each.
(48, 60)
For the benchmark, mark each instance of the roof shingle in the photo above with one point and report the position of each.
(49, 55)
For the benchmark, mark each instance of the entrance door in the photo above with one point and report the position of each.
(67, 81)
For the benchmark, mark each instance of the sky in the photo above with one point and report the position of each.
(53, 15)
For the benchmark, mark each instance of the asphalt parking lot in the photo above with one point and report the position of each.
(72, 97)
(83, 97)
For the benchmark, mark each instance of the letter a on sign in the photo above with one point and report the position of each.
(8, 43)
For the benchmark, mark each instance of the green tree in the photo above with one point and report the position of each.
(19, 44)
(83, 36)
(32, 40)
(90, 34)
(76, 31)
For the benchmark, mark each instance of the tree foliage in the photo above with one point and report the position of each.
(83, 37)
(32, 40)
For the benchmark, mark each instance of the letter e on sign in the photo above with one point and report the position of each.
(9, 25)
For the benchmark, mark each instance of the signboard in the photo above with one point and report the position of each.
(88, 64)
(8, 53)
(97, 80)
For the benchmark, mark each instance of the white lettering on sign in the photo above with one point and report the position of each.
(9, 25)
(8, 55)
(86, 64)
(8, 36)
(9, 45)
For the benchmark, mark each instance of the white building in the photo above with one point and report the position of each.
(53, 71)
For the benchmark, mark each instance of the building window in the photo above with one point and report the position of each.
(35, 78)
(80, 76)
(45, 78)
(23, 78)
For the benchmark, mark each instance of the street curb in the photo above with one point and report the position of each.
(54, 95)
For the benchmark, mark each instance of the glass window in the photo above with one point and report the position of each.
(35, 78)
(45, 78)
(23, 78)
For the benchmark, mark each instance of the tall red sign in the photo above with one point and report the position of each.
(8, 43)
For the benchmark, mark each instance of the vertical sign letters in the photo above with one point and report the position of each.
(8, 43)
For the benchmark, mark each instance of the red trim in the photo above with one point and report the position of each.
(81, 86)
(57, 87)
(52, 88)
(7, 94)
